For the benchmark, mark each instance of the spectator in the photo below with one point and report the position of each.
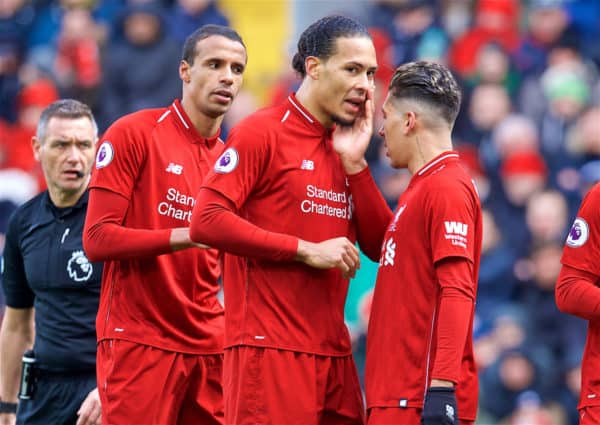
(140, 64)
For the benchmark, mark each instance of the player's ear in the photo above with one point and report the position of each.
(312, 65)
(184, 71)
(410, 122)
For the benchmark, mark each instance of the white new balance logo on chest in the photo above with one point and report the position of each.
(174, 168)
(307, 164)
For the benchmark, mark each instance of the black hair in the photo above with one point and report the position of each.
(319, 38)
(428, 82)
(205, 31)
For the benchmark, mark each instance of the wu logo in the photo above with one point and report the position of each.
(389, 253)
(456, 228)
(174, 168)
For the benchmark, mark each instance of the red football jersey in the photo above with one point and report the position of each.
(157, 160)
(438, 216)
(581, 251)
(282, 174)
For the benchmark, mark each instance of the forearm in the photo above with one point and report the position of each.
(455, 311)
(215, 224)
(105, 238)
(454, 318)
(576, 293)
(371, 213)
(13, 343)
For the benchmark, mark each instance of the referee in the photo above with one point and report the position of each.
(47, 279)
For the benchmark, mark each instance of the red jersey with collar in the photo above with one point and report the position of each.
(156, 159)
(438, 216)
(282, 174)
(581, 252)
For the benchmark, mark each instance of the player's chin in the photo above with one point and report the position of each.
(344, 120)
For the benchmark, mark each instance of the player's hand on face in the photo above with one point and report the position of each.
(337, 253)
(351, 142)
(90, 412)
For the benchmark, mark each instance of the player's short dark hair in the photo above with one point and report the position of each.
(64, 108)
(430, 83)
(205, 31)
(319, 38)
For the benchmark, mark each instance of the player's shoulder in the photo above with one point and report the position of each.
(593, 194)
(259, 127)
(145, 119)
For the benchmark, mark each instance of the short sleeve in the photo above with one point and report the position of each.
(452, 215)
(238, 170)
(582, 245)
(17, 292)
(119, 158)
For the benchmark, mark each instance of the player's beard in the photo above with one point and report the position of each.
(342, 122)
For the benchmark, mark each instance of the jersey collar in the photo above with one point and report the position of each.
(441, 160)
(302, 113)
(184, 122)
(51, 211)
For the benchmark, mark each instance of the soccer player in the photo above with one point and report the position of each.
(51, 288)
(160, 325)
(577, 293)
(419, 365)
(279, 193)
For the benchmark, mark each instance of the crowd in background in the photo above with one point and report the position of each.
(529, 132)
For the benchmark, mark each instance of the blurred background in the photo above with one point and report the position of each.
(529, 132)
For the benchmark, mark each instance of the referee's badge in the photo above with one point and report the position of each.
(579, 233)
(79, 267)
(227, 161)
(105, 154)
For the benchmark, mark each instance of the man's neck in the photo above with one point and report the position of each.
(307, 98)
(65, 199)
(427, 146)
(205, 125)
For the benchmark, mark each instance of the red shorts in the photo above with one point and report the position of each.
(269, 386)
(396, 416)
(140, 384)
(589, 415)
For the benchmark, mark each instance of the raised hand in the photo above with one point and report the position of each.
(351, 142)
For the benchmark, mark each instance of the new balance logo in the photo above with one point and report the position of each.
(456, 228)
(174, 168)
(307, 164)
(389, 253)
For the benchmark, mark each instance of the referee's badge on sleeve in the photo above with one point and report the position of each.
(227, 161)
(105, 154)
(578, 235)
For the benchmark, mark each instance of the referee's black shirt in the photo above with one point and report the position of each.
(45, 267)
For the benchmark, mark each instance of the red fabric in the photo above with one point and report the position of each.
(156, 160)
(438, 217)
(577, 293)
(80, 58)
(177, 388)
(281, 173)
(105, 238)
(267, 386)
(41, 93)
(589, 415)
(397, 416)
(457, 302)
(213, 218)
(577, 290)
(370, 227)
